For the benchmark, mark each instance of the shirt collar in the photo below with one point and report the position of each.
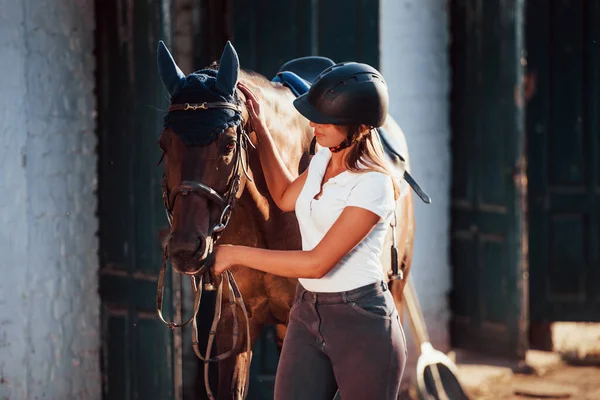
(340, 179)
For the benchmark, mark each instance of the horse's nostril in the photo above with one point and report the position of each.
(185, 249)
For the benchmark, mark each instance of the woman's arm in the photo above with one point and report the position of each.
(352, 226)
(283, 187)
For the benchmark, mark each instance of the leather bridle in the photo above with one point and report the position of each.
(226, 202)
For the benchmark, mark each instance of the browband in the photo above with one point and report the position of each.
(203, 106)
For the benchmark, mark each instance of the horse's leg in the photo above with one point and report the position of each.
(280, 331)
(281, 293)
(233, 371)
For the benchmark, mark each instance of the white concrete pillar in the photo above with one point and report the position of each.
(415, 62)
(49, 305)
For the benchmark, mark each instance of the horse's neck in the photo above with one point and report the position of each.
(292, 135)
(290, 131)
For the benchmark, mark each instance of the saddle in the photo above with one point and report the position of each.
(299, 74)
(304, 69)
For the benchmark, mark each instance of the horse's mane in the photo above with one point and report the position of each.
(254, 76)
(248, 75)
(283, 119)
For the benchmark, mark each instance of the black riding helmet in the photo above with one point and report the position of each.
(348, 93)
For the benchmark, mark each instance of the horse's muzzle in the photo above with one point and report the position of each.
(187, 256)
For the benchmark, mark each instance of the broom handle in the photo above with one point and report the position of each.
(418, 324)
(415, 315)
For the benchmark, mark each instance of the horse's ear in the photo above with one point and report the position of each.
(229, 68)
(170, 74)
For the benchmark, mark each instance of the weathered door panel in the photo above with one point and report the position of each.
(268, 33)
(137, 349)
(563, 133)
(487, 194)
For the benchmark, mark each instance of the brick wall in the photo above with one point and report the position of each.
(49, 307)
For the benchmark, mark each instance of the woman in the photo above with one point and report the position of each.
(344, 331)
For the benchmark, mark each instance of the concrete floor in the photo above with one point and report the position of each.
(547, 376)
(571, 371)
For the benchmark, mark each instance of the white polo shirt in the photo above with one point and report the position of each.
(371, 190)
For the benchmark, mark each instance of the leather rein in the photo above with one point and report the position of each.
(203, 276)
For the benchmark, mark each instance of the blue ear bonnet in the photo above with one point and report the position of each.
(201, 127)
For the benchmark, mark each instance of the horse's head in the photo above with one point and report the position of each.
(203, 145)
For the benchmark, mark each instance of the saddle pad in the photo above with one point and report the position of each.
(297, 85)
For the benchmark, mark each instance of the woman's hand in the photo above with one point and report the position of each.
(224, 258)
(257, 119)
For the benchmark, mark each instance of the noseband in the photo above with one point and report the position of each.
(203, 275)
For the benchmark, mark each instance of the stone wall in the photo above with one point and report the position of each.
(49, 305)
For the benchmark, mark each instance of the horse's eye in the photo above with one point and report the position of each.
(230, 146)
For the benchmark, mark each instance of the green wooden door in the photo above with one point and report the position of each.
(563, 124)
(137, 349)
(267, 33)
(489, 284)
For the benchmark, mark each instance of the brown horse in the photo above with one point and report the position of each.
(215, 154)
